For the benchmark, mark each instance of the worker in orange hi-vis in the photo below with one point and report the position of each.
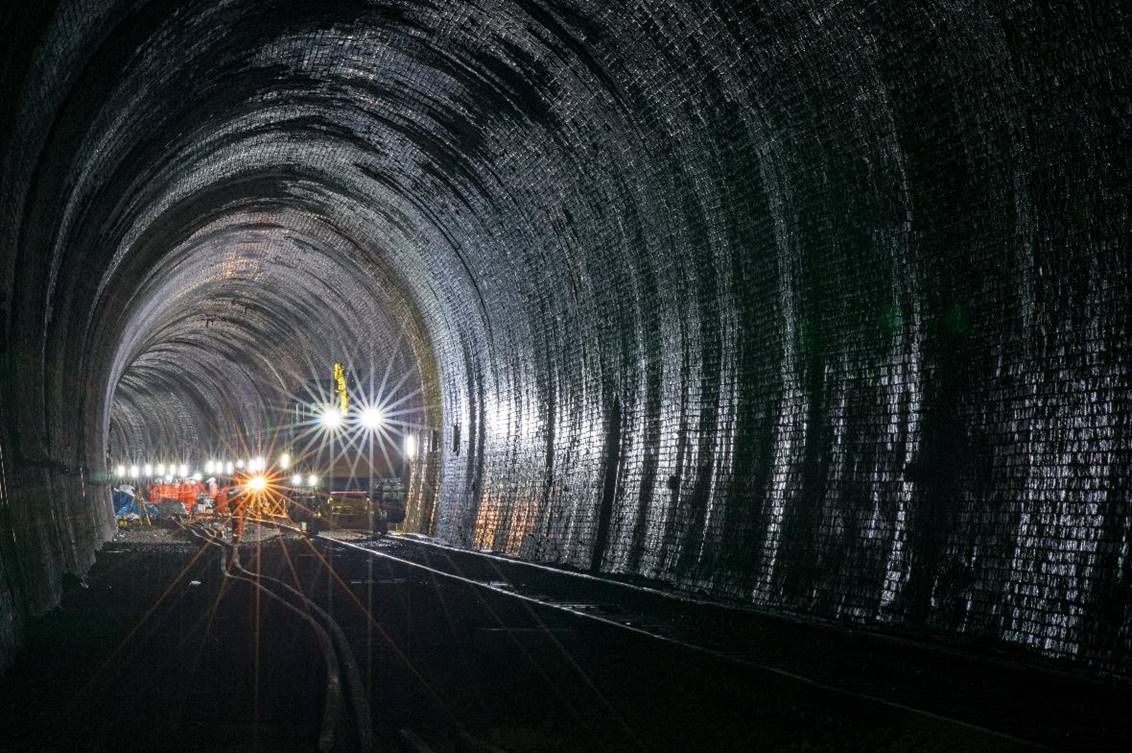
(221, 500)
(238, 499)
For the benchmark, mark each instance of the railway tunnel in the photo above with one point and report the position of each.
(815, 311)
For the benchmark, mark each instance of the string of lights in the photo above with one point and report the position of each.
(367, 420)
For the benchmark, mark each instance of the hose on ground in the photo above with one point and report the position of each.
(333, 702)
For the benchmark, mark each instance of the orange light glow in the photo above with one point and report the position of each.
(262, 495)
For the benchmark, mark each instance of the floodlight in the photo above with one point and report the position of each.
(372, 418)
(331, 417)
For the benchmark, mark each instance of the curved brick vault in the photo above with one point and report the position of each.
(821, 307)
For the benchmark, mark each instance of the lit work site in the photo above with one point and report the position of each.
(565, 376)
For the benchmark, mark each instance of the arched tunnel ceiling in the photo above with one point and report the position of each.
(820, 306)
(237, 320)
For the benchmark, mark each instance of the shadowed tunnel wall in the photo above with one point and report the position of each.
(821, 307)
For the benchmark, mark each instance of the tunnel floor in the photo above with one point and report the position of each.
(155, 650)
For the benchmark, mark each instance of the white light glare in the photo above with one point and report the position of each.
(260, 464)
(197, 476)
(410, 446)
(229, 468)
(285, 461)
(148, 469)
(331, 417)
(312, 480)
(120, 471)
(239, 463)
(372, 418)
(184, 470)
(133, 471)
(297, 480)
(257, 484)
(209, 467)
(161, 469)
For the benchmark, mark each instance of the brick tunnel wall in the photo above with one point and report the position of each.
(820, 307)
(845, 331)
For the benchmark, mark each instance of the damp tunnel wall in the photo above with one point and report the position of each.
(819, 307)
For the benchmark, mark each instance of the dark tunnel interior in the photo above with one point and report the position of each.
(820, 308)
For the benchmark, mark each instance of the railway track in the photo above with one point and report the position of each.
(626, 607)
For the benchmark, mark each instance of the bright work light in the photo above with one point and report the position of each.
(372, 418)
(331, 417)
